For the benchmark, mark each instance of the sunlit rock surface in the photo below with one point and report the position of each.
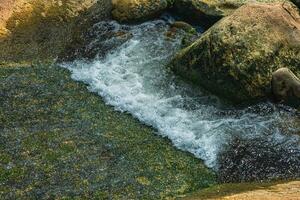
(251, 191)
(41, 29)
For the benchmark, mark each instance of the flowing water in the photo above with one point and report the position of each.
(258, 142)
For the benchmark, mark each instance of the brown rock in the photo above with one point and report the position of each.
(41, 29)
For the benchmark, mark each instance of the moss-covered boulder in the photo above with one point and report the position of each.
(209, 11)
(41, 29)
(235, 58)
(137, 10)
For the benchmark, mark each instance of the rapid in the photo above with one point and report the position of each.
(252, 143)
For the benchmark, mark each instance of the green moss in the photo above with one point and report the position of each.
(61, 141)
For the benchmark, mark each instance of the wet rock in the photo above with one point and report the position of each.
(208, 12)
(100, 39)
(180, 26)
(190, 33)
(235, 58)
(286, 86)
(137, 10)
(184, 26)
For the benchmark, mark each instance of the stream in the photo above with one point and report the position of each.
(254, 143)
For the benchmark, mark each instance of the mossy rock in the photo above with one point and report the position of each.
(189, 33)
(138, 10)
(286, 87)
(235, 58)
(184, 26)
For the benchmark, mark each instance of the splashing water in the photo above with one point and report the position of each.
(134, 78)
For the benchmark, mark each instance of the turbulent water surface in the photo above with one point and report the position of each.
(258, 142)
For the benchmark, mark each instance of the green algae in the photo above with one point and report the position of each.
(58, 140)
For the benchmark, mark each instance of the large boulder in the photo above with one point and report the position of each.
(42, 29)
(209, 12)
(236, 57)
(137, 10)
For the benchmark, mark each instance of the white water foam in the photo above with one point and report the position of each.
(133, 78)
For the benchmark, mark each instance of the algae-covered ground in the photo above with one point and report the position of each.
(60, 141)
